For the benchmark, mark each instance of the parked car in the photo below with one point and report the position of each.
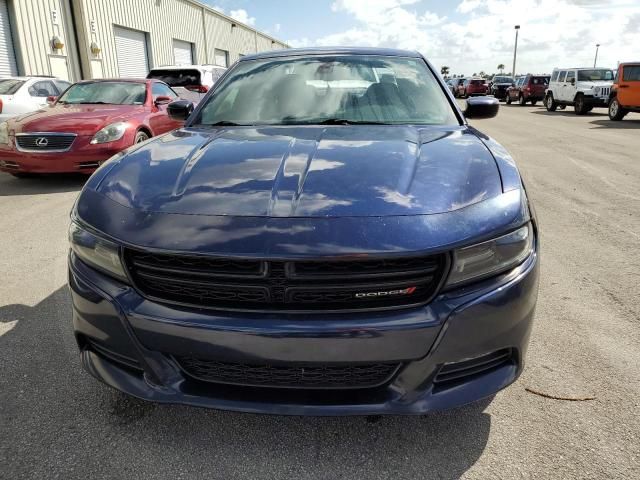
(529, 88)
(87, 124)
(450, 84)
(583, 88)
(294, 252)
(625, 94)
(20, 95)
(475, 86)
(458, 87)
(191, 82)
(499, 86)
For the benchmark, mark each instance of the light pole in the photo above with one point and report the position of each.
(595, 60)
(515, 52)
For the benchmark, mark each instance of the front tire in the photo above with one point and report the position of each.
(550, 103)
(579, 105)
(616, 112)
(521, 100)
(141, 137)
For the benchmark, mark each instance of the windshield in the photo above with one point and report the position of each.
(503, 80)
(115, 93)
(10, 86)
(594, 75)
(335, 89)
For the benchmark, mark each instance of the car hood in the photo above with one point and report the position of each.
(602, 83)
(80, 119)
(309, 171)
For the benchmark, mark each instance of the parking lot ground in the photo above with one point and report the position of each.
(583, 173)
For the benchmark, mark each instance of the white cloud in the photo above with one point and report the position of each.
(468, 5)
(242, 16)
(481, 35)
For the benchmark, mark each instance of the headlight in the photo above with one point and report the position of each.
(491, 257)
(4, 133)
(110, 133)
(97, 252)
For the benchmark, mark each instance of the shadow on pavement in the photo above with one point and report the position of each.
(59, 422)
(37, 184)
(623, 125)
(568, 112)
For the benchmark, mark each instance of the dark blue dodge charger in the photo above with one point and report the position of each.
(325, 236)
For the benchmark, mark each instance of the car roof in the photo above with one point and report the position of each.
(583, 68)
(120, 80)
(34, 77)
(301, 52)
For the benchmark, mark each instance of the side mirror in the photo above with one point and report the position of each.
(162, 100)
(482, 107)
(51, 99)
(180, 110)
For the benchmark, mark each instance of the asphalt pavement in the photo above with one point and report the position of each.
(583, 174)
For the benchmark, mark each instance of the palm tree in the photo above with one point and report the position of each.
(444, 70)
(501, 68)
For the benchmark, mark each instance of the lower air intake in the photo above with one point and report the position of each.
(288, 376)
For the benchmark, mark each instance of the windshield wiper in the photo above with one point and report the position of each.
(345, 121)
(224, 123)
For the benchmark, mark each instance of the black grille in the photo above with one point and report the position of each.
(45, 142)
(286, 285)
(287, 376)
(457, 372)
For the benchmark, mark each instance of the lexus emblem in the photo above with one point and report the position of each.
(42, 142)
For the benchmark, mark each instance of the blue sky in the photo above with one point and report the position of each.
(469, 36)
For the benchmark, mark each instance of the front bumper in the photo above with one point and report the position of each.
(592, 101)
(83, 157)
(130, 343)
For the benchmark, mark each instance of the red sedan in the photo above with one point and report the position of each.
(87, 124)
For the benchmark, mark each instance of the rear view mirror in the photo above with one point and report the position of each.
(51, 99)
(180, 109)
(482, 107)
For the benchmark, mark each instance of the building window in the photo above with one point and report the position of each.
(221, 57)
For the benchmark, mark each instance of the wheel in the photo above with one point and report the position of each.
(579, 105)
(141, 137)
(533, 102)
(508, 99)
(616, 112)
(550, 103)
(521, 100)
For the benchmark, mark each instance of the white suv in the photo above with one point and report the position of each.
(19, 95)
(584, 88)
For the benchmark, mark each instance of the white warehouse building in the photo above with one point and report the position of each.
(82, 39)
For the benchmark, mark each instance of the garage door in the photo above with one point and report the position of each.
(182, 53)
(131, 51)
(7, 54)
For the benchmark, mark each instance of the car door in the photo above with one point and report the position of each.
(629, 86)
(558, 92)
(40, 91)
(159, 121)
(569, 89)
